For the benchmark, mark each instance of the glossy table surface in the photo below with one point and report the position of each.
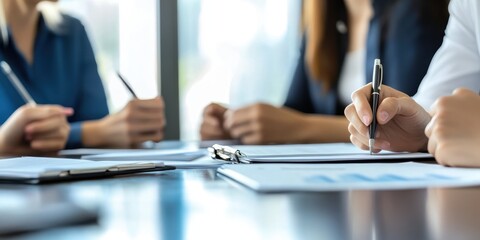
(199, 204)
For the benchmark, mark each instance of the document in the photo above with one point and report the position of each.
(38, 169)
(314, 153)
(202, 162)
(183, 155)
(79, 152)
(342, 177)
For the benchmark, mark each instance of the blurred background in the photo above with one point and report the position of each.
(234, 52)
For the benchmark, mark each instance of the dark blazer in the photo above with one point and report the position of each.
(400, 35)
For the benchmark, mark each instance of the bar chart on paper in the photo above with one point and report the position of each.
(341, 177)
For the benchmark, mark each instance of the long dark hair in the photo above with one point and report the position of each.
(320, 19)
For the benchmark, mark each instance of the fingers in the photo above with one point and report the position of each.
(212, 129)
(355, 122)
(48, 145)
(35, 113)
(254, 138)
(432, 145)
(464, 92)
(144, 110)
(242, 116)
(45, 126)
(237, 117)
(361, 140)
(212, 124)
(147, 104)
(393, 106)
(214, 109)
(239, 131)
(360, 101)
(430, 126)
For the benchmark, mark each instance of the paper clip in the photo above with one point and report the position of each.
(226, 153)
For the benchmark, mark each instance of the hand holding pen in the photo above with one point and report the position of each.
(33, 129)
(141, 120)
(399, 121)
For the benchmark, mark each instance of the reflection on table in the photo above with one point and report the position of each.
(199, 204)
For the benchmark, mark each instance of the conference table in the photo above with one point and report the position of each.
(201, 204)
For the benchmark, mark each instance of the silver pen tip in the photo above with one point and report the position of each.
(371, 143)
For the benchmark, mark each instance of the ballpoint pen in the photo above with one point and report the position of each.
(130, 89)
(16, 83)
(374, 100)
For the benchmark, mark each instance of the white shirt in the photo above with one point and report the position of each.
(457, 62)
(352, 75)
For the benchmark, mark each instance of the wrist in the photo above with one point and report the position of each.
(320, 129)
(93, 133)
(302, 129)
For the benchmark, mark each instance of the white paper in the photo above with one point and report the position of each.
(256, 151)
(35, 167)
(341, 177)
(203, 162)
(92, 151)
(329, 152)
(184, 155)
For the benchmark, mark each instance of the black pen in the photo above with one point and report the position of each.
(130, 89)
(374, 100)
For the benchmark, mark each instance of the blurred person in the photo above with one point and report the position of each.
(341, 41)
(51, 54)
(451, 130)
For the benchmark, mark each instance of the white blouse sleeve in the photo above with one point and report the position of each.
(457, 62)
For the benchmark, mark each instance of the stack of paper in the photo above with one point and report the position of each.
(38, 169)
(150, 155)
(313, 153)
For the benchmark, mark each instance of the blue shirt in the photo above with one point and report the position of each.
(63, 72)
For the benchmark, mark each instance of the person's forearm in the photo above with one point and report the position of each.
(92, 134)
(323, 129)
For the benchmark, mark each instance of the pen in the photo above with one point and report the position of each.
(374, 100)
(16, 83)
(130, 89)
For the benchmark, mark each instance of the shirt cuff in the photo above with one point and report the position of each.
(75, 137)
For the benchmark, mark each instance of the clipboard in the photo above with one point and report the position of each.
(38, 170)
(310, 153)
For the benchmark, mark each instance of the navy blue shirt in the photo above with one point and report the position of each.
(399, 34)
(63, 72)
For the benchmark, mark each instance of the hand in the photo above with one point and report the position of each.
(401, 121)
(263, 124)
(212, 125)
(454, 132)
(138, 122)
(35, 130)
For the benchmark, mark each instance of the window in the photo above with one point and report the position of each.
(124, 37)
(235, 52)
